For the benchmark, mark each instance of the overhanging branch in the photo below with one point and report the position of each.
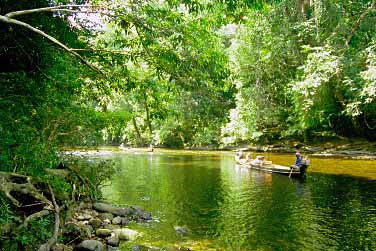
(8, 19)
(54, 8)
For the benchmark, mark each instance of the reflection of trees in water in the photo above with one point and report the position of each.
(243, 209)
(348, 206)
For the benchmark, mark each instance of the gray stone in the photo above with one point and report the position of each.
(77, 230)
(103, 232)
(124, 221)
(82, 217)
(113, 241)
(111, 248)
(122, 212)
(126, 234)
(61, 247)
(143, 248)
(117, 220)
(144, 215)
(104, 207)
(95, 223)
(90, 245)
(181, 230)
(106, 216)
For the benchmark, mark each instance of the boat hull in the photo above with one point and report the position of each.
(273, 168)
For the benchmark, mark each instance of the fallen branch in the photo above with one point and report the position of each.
(47, 246)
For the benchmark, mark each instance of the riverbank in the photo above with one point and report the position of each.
(354, 149)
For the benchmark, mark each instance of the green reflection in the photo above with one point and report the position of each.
(230, 208)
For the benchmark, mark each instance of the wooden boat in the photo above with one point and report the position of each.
(273, 168)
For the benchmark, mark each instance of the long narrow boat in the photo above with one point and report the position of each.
(273, 168)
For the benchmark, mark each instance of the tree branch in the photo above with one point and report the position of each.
(6, 19)
(34, 216)
(47, 246)
(109, 51)
(54, 8)
(357, 23)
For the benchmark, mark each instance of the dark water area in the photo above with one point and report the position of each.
(226, 207)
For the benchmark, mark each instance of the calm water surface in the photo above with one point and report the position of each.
(226, 207)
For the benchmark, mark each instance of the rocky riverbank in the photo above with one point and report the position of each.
(99, 227)
(338, 148)
(103, 227)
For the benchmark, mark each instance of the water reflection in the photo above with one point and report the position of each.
(233, 208)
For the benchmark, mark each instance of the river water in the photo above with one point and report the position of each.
(220, 206)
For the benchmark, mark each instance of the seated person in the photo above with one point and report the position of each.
(298, 161)
(248, 158)
(259, 161)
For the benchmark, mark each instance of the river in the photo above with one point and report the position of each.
(220, 206)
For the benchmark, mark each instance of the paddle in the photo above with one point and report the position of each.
(292, 168)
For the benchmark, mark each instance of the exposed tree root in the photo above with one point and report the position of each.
(8, 185)
(15, 183)
(47, 246)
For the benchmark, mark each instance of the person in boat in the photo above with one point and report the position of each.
(239, 155)
(248, 158)
(298, 160)
(150, 148)
(259, 161)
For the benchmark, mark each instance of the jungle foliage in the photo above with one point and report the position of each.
(177, 73)
(184, 74)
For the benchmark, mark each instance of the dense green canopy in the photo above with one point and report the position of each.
(182, 73)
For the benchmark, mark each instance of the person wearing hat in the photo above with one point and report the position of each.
(259, 161)
(299, 158)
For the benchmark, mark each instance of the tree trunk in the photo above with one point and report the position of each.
(136, 128)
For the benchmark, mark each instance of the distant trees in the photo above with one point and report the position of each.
(304, 69)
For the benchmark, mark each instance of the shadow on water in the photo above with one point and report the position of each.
(226, 207)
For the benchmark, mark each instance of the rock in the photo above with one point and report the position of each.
(123, 212)
(73, 230)
(104, 207)
(103, 232)
(90, 245)
(82, 217)
(61, 247)
(95, 223)
(144, 215)
(113, 241)
(106, 216)
(117, 220)
(107, 221)
(143, 248)
(111, 248)
(176, 248)
(181, 230)
(124, 221)
(126, 234)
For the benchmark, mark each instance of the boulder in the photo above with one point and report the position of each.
(84, 216)
(123, 212)
(111, 248)
(104, 207)
(61, 247)
(95, 223)
(103, 232)
(126, 234)
(90, 245)
(106, 216)
(113, 241)
(143, 248)
(117, 220)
